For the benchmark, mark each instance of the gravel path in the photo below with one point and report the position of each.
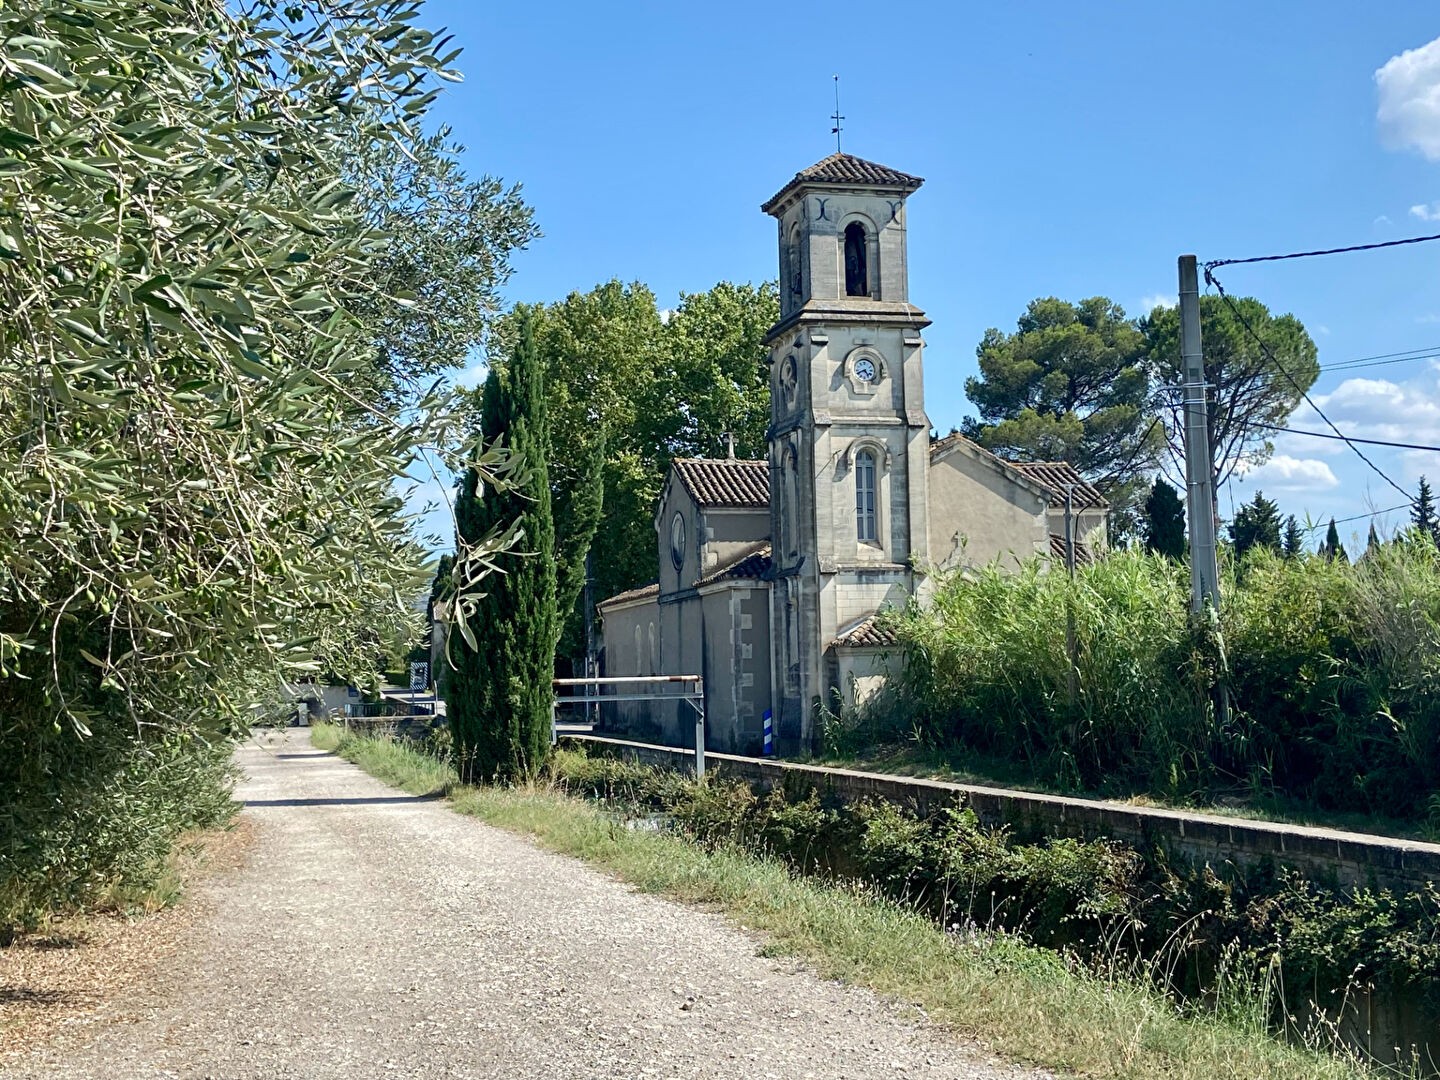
(377, 935)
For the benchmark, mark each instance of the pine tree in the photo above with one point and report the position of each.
(1372, 542)
(1165, 521)
(499, 695)
(1292, 543)
(1256, 524)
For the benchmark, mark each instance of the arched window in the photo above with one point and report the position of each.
(857, 281)
(865, 525)
(793, 268)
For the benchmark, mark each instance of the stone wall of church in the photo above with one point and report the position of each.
(978, 515)
(737, 665)
(633, 634)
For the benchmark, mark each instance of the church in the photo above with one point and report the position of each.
(771, 573)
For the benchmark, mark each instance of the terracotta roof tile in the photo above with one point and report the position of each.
(726, 482)
(1083, 555)
(848, 169)
(1055, 475)
(644, 592)
(753, 564)
(868, 633)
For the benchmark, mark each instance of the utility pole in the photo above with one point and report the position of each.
(1072, 680)
(1199, 470)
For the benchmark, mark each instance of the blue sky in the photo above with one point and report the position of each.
(1068, 150)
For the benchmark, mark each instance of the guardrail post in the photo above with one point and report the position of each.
(699, 730)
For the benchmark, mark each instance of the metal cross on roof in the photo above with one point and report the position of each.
(836, 115)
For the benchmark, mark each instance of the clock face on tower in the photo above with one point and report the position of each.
(865, 369)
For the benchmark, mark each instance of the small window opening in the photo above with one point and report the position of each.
(857, 280)
(865, 530)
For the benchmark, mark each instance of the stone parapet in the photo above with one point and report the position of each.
(1324, 855)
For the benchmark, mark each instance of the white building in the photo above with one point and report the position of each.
(771, 572)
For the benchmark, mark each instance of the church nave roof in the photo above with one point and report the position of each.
(727, 483)
(748, 565)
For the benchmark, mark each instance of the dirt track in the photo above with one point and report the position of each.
(377, 935)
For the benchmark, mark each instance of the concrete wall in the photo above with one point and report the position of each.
(978, 514)
(737, 664)
(1384, 1024)
(862, 672)
(1325, 855)
(727, 534)
(629, 630)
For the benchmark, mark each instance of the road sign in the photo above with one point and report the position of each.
(419, 675)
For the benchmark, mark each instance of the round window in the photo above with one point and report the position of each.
(677, 540)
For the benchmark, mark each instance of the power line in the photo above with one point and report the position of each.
(1353, 365)
(1217, 263)
(1340, 438)
(1211, 279)
(1357, 517)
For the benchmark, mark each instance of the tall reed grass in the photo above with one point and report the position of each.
(1330, 669)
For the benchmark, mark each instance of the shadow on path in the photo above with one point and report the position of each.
(433, 797)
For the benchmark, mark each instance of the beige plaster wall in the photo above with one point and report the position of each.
(737, 665)
(978, 515)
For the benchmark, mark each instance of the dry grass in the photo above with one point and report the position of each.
(76, 966)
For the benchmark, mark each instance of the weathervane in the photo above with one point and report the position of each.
(837, 117)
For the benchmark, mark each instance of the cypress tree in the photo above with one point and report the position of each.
(1165, 521)
(1422, 512)
(499, 695)
(1292, 543)
(1332, 548)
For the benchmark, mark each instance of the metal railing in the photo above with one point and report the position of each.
(692, 693)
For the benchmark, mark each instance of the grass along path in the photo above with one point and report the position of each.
(1025, 1003)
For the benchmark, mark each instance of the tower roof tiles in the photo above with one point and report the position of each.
(847, 169)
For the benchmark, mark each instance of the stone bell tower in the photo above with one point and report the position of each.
(849, 438)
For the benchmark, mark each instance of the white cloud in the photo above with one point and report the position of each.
(1408, 111)
(1323, 329)
(1165, 300)
(1426, 211)
(1427, 318)
(1383, 219)
(473, 376)
(1362, 408)
(1285, 473)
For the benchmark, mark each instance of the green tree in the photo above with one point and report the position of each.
(1165, 521)
(1069, 385)
(498, 695)
(437, 279)
(1292, 544)
(1256, 525)
(630, 391)
(1332, 549)
(198, 487)
(1253, 390)
(1422, 512)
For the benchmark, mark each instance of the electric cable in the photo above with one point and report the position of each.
(1211, 279)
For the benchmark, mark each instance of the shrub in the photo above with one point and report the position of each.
(1331, 668)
